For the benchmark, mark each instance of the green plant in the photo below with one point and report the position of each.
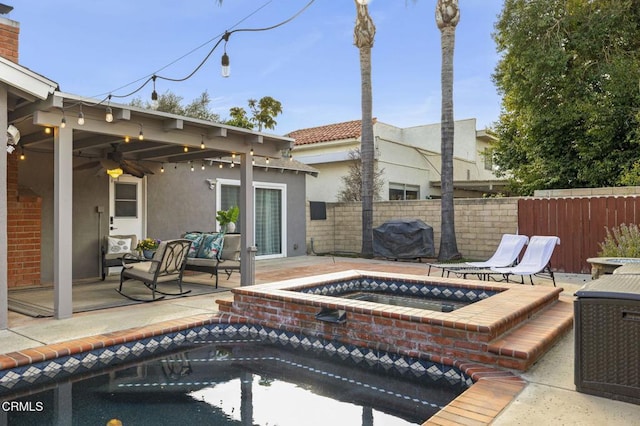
(227, 216)
(621, 241)
(148, 244)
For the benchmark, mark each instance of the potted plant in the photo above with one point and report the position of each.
(227, 219)
(148, 247)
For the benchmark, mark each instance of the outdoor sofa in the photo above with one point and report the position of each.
(213, 252)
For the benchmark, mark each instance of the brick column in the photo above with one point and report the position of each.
(24, 224)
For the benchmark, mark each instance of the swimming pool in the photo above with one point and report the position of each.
(226, 372)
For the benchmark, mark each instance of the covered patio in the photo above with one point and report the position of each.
(114, 136)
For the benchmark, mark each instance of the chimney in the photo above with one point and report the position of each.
(9, 34)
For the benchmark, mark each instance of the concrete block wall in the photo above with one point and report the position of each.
(479, 222)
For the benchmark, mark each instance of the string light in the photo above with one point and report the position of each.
(220, 165)
(81, 117)
(186, 149)
(47, 130)
(154, 94)
(108, 117)
(267, 160)
(191, 166)
(127, 139)
(63, 121)
(201, 141)
(141, 135)
(202, 166)
(162, 168)
(225, 65)
(22, 156)
(251, 152)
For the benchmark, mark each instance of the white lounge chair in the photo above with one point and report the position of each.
(506, 254)
(536, 259)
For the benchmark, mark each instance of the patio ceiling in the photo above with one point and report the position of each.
(168, 138)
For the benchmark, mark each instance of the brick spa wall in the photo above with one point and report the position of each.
(480, 223)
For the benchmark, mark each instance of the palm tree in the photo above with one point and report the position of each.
(447, 17)
(363, 35)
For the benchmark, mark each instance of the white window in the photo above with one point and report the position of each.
(401, 191)
(269, 212)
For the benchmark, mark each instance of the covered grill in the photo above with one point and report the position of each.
(403, 239)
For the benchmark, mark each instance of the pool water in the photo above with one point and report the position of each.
(431, 304)
(249, 382)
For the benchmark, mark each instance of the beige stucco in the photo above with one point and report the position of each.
(408, 156)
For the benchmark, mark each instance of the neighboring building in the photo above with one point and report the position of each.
(410, 158)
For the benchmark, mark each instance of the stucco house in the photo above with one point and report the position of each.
(57, 200)
(410, 158)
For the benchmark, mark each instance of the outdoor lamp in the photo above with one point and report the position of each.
(115, 173)
(225, 65)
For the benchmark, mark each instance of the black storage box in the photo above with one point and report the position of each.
(403, 239)
(607, 338)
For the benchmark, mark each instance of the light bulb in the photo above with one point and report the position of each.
(81, 118)
(108, 117)
(226, 70)
(63, 123)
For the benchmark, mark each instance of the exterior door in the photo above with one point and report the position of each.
(126, 206)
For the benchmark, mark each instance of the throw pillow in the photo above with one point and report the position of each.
(211, 246)
(118, 245)
(196, 241)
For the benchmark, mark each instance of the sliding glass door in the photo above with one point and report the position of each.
(269, 212)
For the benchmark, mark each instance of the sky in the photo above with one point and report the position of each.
(309, 64)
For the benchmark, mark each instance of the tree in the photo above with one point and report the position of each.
(172, 103)
(263, 113)
(447, 17)
(568, 76)
(363, 36)
(352, 182)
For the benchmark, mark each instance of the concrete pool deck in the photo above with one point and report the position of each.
(548, 395)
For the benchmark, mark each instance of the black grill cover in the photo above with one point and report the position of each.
(403, 239)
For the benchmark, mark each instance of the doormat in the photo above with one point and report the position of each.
(38, 302)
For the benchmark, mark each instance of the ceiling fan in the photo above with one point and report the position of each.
(114, 161)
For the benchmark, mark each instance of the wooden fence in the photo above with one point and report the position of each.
(579, 222)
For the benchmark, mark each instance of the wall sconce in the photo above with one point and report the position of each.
(212, 183)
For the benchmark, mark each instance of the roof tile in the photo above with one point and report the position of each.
(330, 132)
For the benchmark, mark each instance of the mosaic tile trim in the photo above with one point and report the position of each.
(398, 287)
(63, 367)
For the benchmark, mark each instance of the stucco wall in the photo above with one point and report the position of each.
(480, 223)
(180, 200)
(89, 190)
